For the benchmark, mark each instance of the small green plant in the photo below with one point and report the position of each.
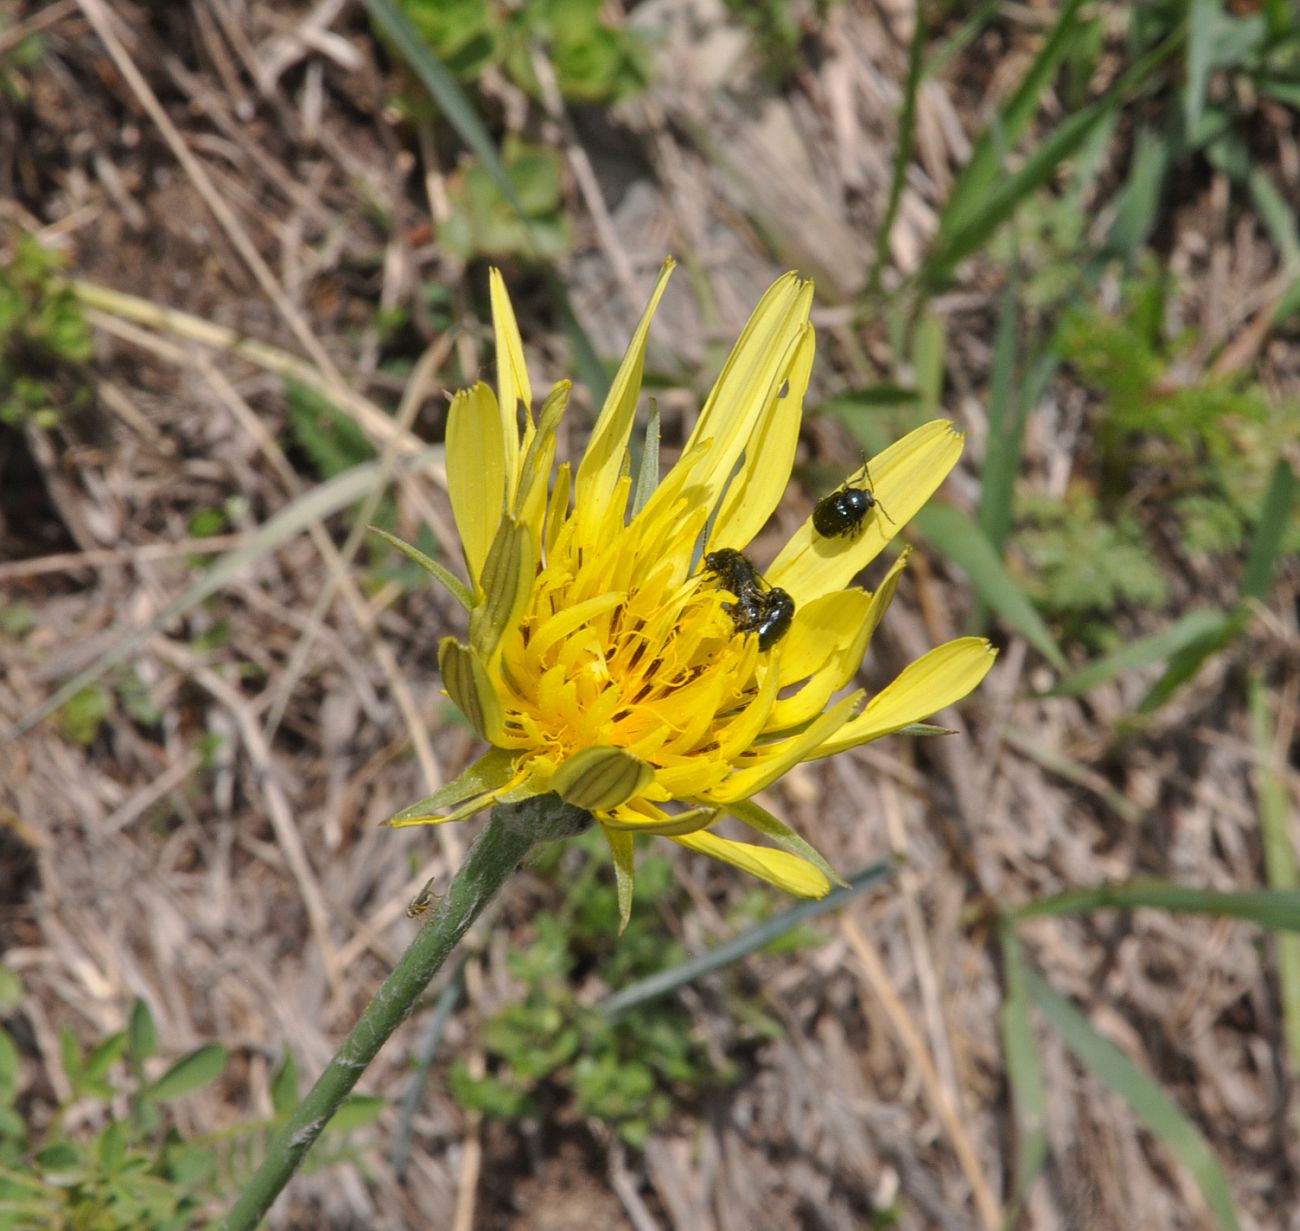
(484, 223)
(42, 330)
(593, 60)
(555, 1049)
(1080, 567)
(132, 1169)
(779, 28)
(1199, 448)
(15, 63)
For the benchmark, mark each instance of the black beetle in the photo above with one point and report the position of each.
(844, 511)
(757, 609)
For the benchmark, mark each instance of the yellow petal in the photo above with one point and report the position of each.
(832, 632)
(769, 456)
(752, 375)
(476, 471)
(769, 762)
(903, 478)
(600, 778)
(935, 680)
(602, 464)
(778, 868)
(512, 374)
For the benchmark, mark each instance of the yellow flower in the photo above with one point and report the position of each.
(606, 663)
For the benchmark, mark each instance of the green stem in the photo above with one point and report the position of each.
(511, 833)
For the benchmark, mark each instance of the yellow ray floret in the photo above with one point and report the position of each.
(608, 663)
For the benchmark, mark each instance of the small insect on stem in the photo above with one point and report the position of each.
(844, 511)
(423, 900)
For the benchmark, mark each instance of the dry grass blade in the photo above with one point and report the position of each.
(880, 986)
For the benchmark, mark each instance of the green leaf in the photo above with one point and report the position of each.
(105, 1055)
(1149, 1102)
(202, 1066)
(966, 545)
(1024, 1072)
(141, 1033)
(1269, 908)
(1187, 630)
(111, 1147)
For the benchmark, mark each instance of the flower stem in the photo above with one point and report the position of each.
(510, 834)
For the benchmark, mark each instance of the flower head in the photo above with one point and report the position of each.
(623, 653)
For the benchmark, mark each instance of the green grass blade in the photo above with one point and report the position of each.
(749, 941)
(905, 147)
(1257, 579)
(1279, 859)
(1277, 909)
(967, 546)
(1024, 1073)
(967, 228)
(1006, 425)
(1203, 18)
(445, 90)
(981, 173)
(1149, 1102)
(1138, 203)
(320, 502)
(1188, 629)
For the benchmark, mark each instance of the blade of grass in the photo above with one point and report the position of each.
(1006, 424)
(1162, 1116)
(1138, 207)
(982, 171)
(1203, 17)
(905, 146)
(445, 90)
(318, 503)
(1275, 517)
(1279, 858)
(960, 538)
(1270, 908)
(970, 227)
(1146, 652)
(1024, 1073)
(749, 941)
